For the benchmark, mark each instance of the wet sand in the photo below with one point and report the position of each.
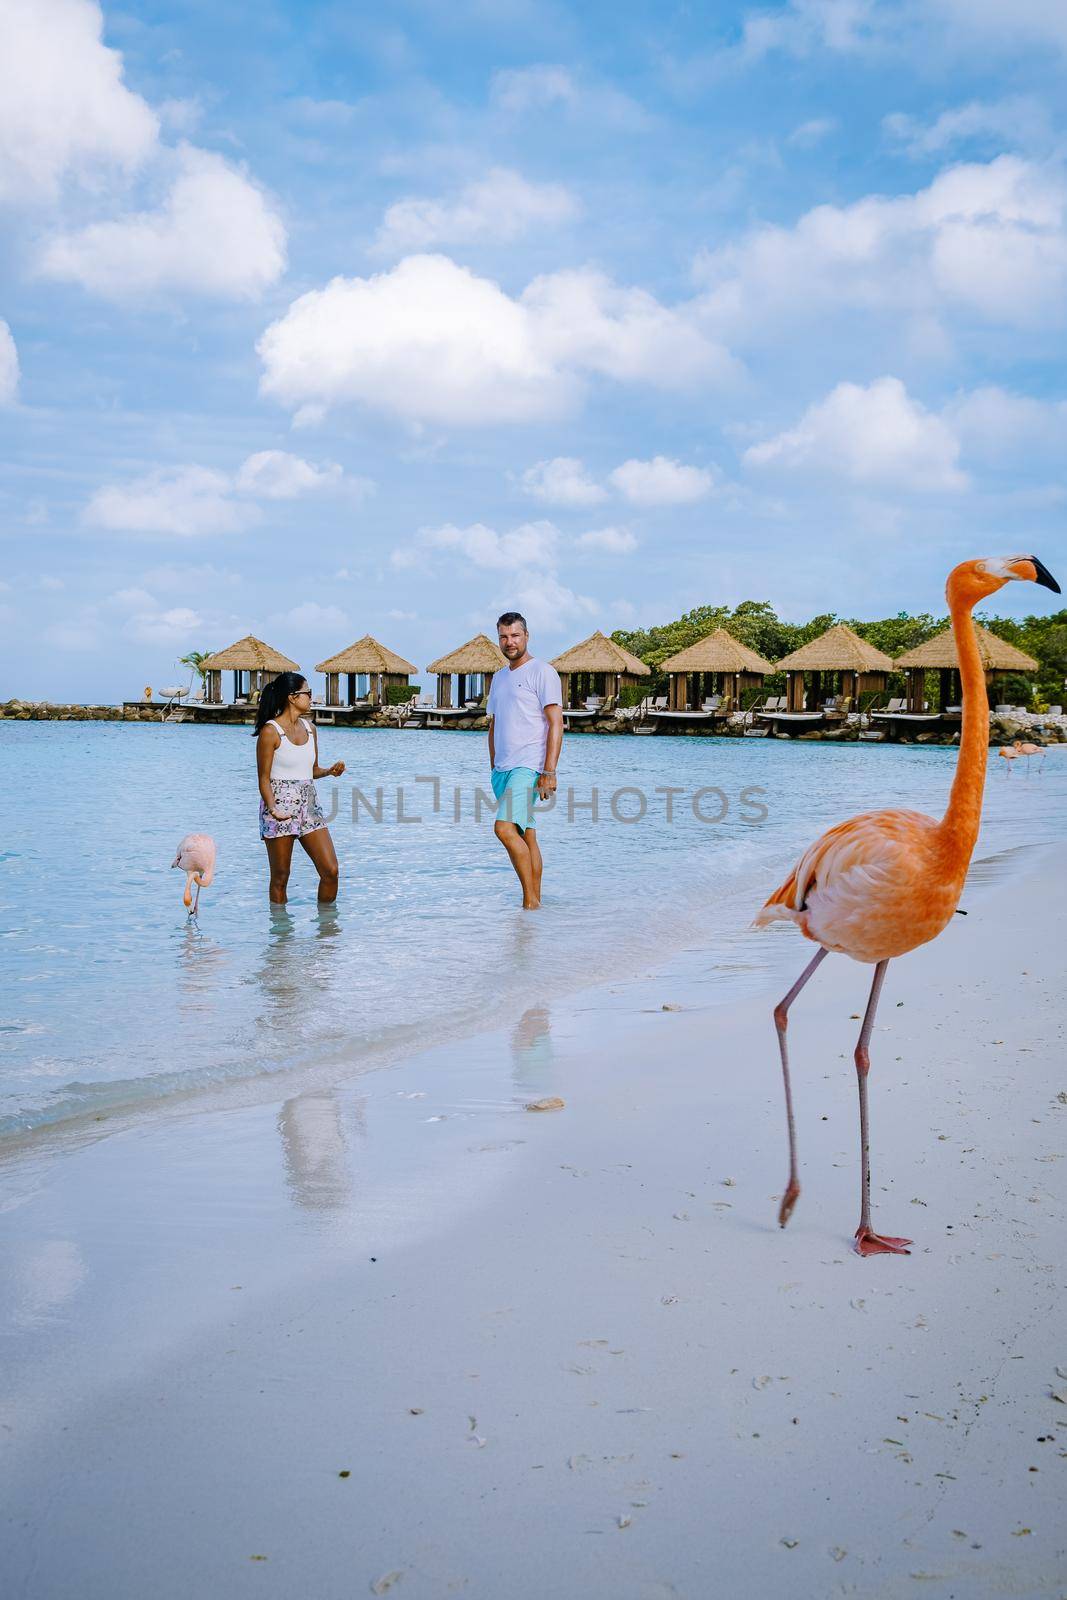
(405, 1336)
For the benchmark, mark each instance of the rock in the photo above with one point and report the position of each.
(549, 1103)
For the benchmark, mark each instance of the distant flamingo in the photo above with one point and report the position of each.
(1024, 747)
(1008, 752)
(196, 858)
(885, 882)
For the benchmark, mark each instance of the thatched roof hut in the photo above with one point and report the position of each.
(719, 665)
(473, 664)
(836, 655)
(940, 655)
(597, 666)
(381, 667)
(252, 663)
(940, 651)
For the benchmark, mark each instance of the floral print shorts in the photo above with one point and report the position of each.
(297, 797)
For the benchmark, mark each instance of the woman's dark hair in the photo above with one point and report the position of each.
(274, 697)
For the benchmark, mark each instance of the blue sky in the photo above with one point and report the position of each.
(325, 319)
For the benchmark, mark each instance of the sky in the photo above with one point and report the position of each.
(320, 319)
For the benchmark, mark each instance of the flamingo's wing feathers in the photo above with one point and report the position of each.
(877, 847)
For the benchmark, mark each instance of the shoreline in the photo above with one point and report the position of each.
(213, 1315)
(1003, 729)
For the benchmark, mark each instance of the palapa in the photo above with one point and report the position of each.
(718, 652)
(478, 655)
(940, 652)
(370, 657)
(836, 650)
(598, 653)
(249, 655)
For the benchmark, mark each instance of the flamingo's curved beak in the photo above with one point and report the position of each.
(1043, 576)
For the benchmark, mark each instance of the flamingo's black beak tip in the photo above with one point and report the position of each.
(1044, 576)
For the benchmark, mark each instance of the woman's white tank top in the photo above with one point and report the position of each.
(294, 761)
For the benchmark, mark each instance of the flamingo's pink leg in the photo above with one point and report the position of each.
(781, 1023)
(869, 1243)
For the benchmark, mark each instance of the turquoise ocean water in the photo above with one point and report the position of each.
(111, 997)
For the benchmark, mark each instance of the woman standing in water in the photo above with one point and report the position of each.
(287, 755)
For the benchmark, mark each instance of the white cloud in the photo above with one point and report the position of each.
(174, 626)
(189, 579)
(277, 475)
(1019, 121)
(531, 544)
(9, 366)
(548, 605)
(521, 89)
(214, 234)
(995, 426)
(311, 617)
(183, 501)
(64, 109)
(584, 319)
(875, 436)
(802, 28)
(985, 239)
(396, 615)
(431, 342)
(1011, 22)
(662, 482)
(562, 481)
(608, 541)
(190, 501)
(808, 134)
(132, 599)
(501, 206)
(528, 554)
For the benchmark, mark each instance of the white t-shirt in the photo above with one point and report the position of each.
(517, 700)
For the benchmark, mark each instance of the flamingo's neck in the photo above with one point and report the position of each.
(963, 816)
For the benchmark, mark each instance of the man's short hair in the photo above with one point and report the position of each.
(512, 616)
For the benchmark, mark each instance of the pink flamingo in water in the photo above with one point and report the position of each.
(885, 882)
(196, 858)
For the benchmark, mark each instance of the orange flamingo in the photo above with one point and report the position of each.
(1008, 752)
(196, 857)
(883, 883)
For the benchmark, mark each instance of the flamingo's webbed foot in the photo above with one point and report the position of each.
(869, 1243)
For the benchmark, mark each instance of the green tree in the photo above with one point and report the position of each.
(195, 661)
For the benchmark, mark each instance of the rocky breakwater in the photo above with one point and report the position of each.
(47, 711)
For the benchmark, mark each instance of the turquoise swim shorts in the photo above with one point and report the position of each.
(516, 796)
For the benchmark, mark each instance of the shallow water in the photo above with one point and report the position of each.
(111, 996)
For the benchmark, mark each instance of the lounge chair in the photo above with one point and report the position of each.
(712, 703)
(660, 704)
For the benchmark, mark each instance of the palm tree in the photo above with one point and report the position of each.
(195, 662)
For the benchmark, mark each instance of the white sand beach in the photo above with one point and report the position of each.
(405, 1336)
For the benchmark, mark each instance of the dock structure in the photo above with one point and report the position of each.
(593, 675)
(939, 655)
(368, 670)
(253, 664)
(472, 666)
(711, 678)
(826, 677)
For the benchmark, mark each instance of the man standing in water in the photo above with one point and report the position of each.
(525, 737)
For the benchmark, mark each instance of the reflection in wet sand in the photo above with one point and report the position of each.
(316, 1150)
(531, 1048)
